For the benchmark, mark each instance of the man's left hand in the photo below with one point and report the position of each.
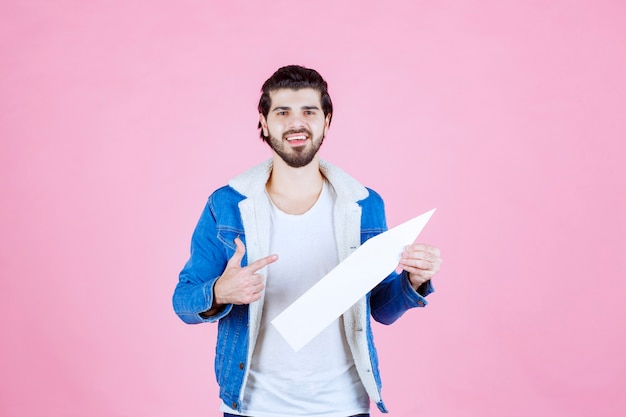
(422, 262)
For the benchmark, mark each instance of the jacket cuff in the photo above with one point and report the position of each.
(208, 296)
(418, 298)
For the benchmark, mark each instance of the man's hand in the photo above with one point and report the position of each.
(422, 262)
(240, 285)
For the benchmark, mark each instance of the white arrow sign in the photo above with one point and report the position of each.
(352, 279)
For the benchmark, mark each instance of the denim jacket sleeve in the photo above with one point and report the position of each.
(208, 258)
(394, 296)
(390, 299)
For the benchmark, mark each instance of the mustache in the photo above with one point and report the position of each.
(297, 131)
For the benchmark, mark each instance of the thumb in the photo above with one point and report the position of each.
(240, 250)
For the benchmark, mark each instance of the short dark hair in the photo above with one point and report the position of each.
(294, 77)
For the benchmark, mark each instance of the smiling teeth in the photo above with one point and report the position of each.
(297, 138)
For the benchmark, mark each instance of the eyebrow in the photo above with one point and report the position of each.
(282, 108)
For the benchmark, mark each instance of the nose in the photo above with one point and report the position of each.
(296, 122)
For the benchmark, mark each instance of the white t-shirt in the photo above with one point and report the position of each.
(320, 379)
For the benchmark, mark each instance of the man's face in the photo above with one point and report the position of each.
(295, 125)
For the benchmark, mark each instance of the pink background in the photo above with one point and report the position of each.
(118, 118)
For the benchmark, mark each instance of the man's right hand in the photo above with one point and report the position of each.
(240, 285)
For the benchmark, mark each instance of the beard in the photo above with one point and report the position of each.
(295, 157)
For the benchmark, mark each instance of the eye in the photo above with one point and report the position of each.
(281, 113)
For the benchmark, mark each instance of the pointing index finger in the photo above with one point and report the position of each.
(263, 262)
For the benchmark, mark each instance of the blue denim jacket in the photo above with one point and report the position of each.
(242, 209)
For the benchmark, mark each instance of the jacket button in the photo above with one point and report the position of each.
(234, 407)
(241, 365)
(420, 303)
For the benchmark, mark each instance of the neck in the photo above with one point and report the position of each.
(295, 190)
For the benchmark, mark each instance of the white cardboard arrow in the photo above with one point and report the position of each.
(352, 279)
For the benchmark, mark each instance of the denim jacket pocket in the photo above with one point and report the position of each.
(227, 236)
(369, 233)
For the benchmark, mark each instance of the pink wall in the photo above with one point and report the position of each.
(117, 119)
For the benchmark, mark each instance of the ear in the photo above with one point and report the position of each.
(327, 123)
(263, 124)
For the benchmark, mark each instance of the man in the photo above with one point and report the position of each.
(294, 218)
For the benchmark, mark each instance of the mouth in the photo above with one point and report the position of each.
(297, 139)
